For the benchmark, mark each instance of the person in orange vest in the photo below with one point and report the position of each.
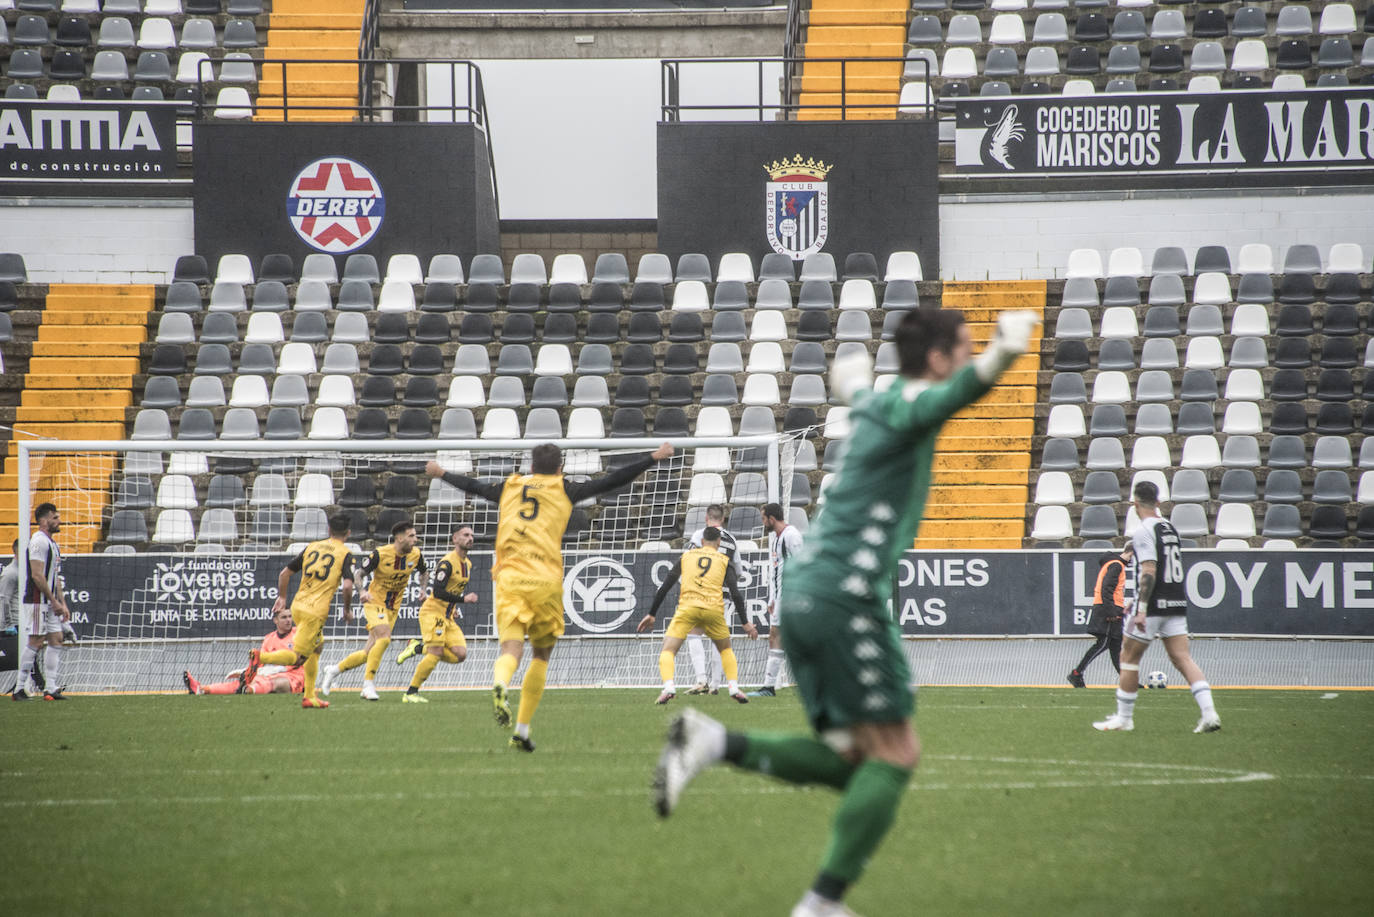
(1104, 622)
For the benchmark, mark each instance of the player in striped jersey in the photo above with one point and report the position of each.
(703, 572)
(786, 542)
(528, 574)
(707, 680)
(45, 606)
(842, 643)
(1159, 610)
(442, 639)
(391, 567)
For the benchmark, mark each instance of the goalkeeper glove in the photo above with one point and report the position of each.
(1014, 330)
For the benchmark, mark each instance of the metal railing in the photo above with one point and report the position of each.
(671, 85)
(367, 51)
(469, 107)
(792, 47)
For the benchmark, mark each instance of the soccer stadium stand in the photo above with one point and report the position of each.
(1292, 364)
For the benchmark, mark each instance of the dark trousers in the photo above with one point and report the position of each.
(1111, 643)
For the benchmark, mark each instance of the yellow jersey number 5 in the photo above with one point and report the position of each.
(530, 512)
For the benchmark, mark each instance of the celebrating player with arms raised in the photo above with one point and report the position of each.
(528, 573)
(703, 571)
(390, 566)
(841, 642)
(442, 639)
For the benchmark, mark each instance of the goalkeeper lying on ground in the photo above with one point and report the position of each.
(269, 679)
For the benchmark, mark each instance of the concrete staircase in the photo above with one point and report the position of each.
(982, 459)
(853, 30)
(324, 30)
(79, 382)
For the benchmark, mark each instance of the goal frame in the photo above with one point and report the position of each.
(26, 450)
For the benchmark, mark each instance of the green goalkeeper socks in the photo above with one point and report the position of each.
(866, 812)
(794, 758)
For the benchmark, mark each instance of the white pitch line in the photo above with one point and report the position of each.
(1206, 775)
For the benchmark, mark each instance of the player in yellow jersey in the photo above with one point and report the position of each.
(442, 639)
(323, 566)
(528, 572)
(703, 572)
(391, 567)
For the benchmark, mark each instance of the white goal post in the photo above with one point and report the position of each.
(190, 536)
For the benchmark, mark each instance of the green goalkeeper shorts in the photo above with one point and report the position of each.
(846, 656)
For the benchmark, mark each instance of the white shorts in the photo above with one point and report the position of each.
(42, 620)
(1159, 626)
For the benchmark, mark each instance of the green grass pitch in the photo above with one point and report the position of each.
(252, 806)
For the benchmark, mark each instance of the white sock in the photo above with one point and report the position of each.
(26, 661)
(52, 662)
(367, 683)
(1202, 693)
(1125, 704)
(734, 687)
(717, 669)
(770, 669)
(696, 648)
(522, 730)
(669, 687)
(778, 679)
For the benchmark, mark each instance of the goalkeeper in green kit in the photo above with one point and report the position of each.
(838, 632)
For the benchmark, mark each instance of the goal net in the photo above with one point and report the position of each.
(171, 551)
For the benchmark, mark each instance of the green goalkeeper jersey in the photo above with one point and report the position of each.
(874, 505)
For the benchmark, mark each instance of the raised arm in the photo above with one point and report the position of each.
(490, 492)
(615, 479)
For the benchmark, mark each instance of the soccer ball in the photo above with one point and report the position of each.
(1157, 680)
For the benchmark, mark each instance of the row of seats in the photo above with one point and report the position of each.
(137, 7)
(1076, 324)
(248, 391)
(316, 489)
(1157, 385)
(1215, 289)
(117, 32)
(1231, 520)
(268, 528)
(1204, 353)
(1341, 16)
(1249, 55)
(438, 296)
(149, 67)
(297, 358)
(1293, 20)
(332, 423)
(1199, 417)
(521, 328)
(529, 268)
(1251, 258)
(1191, 485)
(1204, 451)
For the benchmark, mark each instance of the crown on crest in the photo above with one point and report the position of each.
(811, 168)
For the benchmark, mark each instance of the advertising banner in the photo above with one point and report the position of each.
(383, 189)
(1316, 130)
(605, 593)
(88, 142)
